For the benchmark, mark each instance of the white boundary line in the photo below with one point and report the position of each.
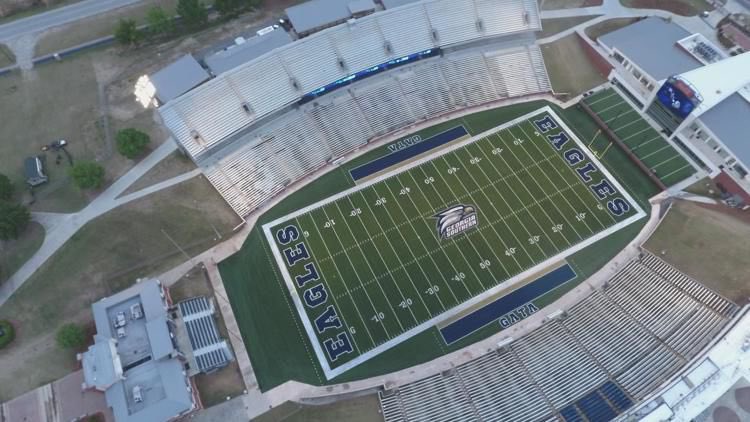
(302, 311)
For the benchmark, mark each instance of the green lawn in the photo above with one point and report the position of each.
(271, 328)
(645, 142)
(14, 253)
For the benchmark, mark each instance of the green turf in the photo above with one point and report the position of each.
(645, 142)
(387, 271)
(280, 350)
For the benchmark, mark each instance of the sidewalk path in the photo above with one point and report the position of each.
(61, 227)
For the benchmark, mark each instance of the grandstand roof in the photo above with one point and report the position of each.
(719, 80)
(730, 122)
(252, 48)
(316, 14)
(390, 4)
(652, 45)
(218, 109)
(178, 78)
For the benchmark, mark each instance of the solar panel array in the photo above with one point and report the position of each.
(258, 165)
(206, 116)
(209, 349)
(612, 349)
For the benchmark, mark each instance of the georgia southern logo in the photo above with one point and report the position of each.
(455, 220)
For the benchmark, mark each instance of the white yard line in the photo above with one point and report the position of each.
(341, 277)
(584, 203)
(329, 372)
(531, 140)
(356, 273)
(612, 94)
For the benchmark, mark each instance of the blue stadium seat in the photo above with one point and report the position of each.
(616, 396)
(596, 408)
(570, 414)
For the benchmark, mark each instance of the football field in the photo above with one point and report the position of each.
(372, 266)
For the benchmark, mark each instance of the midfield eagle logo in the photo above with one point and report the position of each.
(455, 220)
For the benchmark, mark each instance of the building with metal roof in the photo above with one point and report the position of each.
(223, 107)
(178, 78)
(691, 87)
(390, 4)
(247, 50)
(134, 359)
(315, 15)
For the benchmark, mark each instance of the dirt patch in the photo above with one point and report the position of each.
(569, 68)
(360, 409)
(679, 7)
(568, 4)
(139, 239)
(605, 27)
(709, 243)
(174, 165)
(14, 253)
(704, 187)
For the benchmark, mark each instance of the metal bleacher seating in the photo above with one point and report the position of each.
(593, 363)
(208, 115)
(209, 350)
(256, 166)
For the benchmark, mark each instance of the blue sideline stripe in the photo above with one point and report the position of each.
(493, 311)
(396, 157)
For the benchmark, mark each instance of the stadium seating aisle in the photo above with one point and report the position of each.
(611, 349)
(253, 168)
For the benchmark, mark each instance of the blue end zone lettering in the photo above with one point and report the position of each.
(296, 253)
(409, 152)
(558, 140)
(573, 156)
(493, 311)
(545, 124)
(583, 172)
(618, 206)
(288, 234)
(603, 189)
(334, 349)
(315, 295)
(311, 274)
(328, 319)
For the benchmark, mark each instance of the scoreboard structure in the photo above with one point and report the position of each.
(674, 102)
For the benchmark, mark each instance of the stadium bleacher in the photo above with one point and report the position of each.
(206, 116)
(593, 363)
(253, 168)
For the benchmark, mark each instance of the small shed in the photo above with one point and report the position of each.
(34, 171)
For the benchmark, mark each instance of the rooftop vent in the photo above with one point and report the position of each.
(388, 47)
(294, 83)
(247, 108)
(480, 25)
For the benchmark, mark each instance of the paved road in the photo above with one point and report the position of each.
(60, 16)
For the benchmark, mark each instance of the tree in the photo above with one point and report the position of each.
(13, 220)
(193, 12)
(132, 142)
(159, 22)
(230, 7)
(7, 333)
(6, 188)
(87, 174)
(71, 336)
(126, 32)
